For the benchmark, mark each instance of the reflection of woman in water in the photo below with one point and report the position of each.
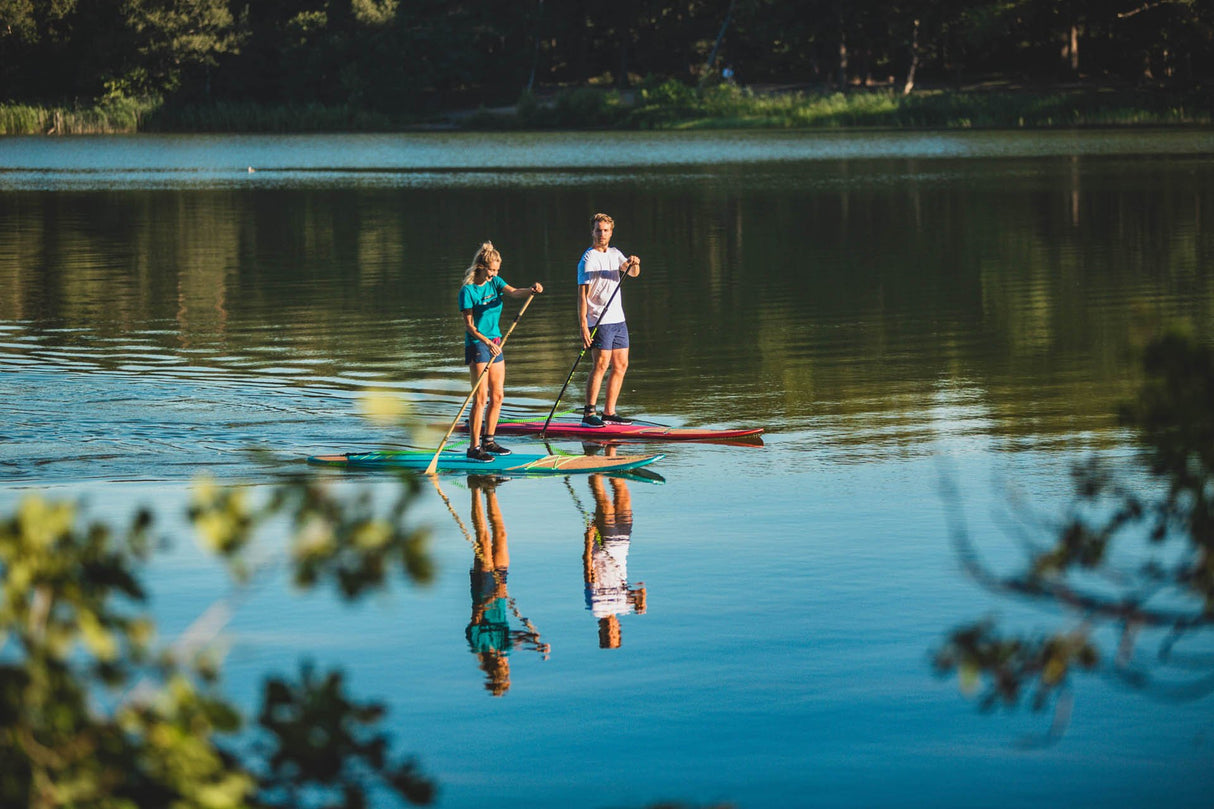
(489, 634)
(605, 561)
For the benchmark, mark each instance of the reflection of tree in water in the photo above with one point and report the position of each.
(1163, 595)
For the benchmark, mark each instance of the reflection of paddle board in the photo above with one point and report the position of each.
(514, 464)
(648, 431)
(637, 475)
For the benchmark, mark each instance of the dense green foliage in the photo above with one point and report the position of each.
(674, 105)
(401, 59)
(94, 713)
(669, 105)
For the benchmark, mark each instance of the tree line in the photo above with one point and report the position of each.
(406, 57)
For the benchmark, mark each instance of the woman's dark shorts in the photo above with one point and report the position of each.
(478, 352)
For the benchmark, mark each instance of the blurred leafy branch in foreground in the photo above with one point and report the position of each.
(94, 712)
(1136, 558)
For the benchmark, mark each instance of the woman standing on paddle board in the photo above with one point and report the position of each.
(480, 303)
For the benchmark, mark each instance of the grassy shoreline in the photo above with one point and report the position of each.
(666, 106)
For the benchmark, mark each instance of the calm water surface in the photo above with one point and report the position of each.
(897, 310)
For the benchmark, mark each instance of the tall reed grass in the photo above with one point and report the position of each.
(678, 107)
(105, 118)
(128, 116)
(249, 117)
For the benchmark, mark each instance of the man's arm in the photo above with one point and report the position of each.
(583, 309)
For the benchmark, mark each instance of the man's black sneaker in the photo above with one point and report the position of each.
(478, 454)
(615, 418)
(494, 448)
(591, 420)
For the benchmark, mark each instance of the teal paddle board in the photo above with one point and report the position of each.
(513, 464)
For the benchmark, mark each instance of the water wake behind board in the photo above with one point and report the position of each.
(514, 464)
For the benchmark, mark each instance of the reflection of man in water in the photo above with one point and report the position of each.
(605, 561)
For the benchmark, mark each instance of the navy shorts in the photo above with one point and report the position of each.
(484, 583)
(610, 336)
(478, 352)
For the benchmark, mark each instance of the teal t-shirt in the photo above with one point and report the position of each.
(485, 301)
(492, 634)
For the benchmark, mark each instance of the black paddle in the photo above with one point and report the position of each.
(582, 353)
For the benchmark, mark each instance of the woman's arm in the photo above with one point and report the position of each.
(534, 289)
(470, 327)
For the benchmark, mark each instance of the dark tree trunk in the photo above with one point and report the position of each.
(842, 75)
(914, 60)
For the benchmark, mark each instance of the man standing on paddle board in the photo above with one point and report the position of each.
(600, 311)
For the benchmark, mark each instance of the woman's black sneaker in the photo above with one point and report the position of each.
(591, 420)
(615, 418)
(491, 446)
(478, 454)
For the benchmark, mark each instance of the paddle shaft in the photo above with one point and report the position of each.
(433, 467)
(582, 353)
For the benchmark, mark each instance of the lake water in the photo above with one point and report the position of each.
(899, 311)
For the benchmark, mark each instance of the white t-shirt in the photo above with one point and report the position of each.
(601, 271)
(608, 593)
